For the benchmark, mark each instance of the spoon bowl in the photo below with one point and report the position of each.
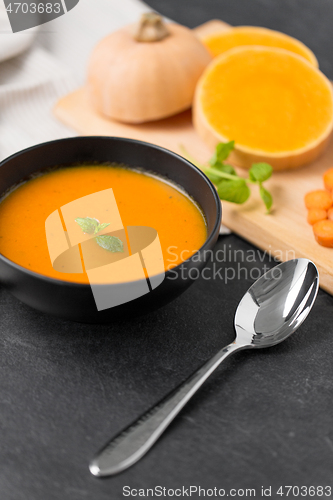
(276, 304)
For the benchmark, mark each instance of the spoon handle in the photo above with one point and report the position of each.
(132, 443)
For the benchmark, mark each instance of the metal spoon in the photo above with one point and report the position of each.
(271, 310)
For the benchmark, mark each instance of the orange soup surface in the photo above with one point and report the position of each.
(142, 200)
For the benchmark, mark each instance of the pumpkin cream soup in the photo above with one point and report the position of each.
(142, 200)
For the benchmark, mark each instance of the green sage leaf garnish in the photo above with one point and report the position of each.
(87, 224)
(93, 226)
(110, 243)
(100, 227)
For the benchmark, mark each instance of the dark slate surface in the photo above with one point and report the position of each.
(264, 419)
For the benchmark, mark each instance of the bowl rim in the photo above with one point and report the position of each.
(62, 283)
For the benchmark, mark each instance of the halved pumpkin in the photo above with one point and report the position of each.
(218, 43)
(275, 105)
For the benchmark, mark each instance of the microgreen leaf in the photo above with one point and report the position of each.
(222, 151)
(228, 169)
(110, 243)
(221, 167)
(230, 186)
(100, 227)
(260, 172)
(236, 191)
(266, 197)
(87, 224)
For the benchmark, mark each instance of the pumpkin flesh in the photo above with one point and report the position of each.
(218, 43)
(274, 104)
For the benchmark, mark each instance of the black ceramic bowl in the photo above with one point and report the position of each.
(75, 301)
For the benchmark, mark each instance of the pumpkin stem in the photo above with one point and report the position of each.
(150, 28)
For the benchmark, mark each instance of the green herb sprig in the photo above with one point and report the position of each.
(230, 186)
(93, 226)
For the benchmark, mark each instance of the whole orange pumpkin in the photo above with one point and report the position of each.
(146, 71)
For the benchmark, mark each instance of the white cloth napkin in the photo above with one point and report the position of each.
(10, 45)
(31, 83)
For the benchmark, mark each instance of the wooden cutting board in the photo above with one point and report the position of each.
(284, 233)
